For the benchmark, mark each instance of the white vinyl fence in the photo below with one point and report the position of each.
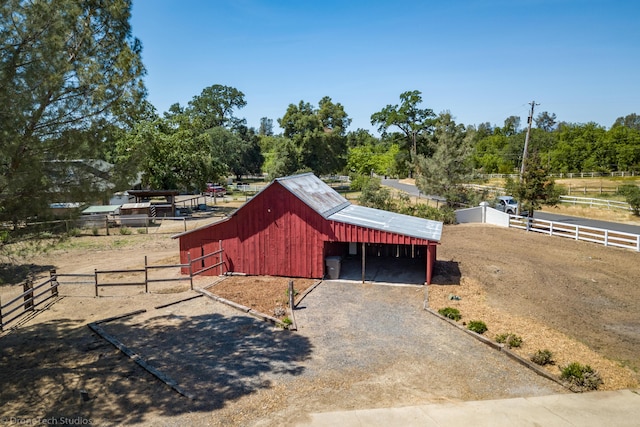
(488, 215)
(578, 232)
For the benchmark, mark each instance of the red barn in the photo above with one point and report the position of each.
(292, 225)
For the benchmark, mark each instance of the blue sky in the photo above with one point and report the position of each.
(481, 60)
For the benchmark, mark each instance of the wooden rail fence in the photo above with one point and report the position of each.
(27, 301)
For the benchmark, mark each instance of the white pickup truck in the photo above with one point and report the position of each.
(508, 204)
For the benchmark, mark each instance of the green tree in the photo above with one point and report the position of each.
(444, 173)
(68, 71)
(319, 135)
(631, 121)
(284, 159)
(374, 195)
(631, 194)
(408, 117)
(215, 107)
(546, 122)
(511, 125)
(266, 127)
(169, 157)
(536, 188)
(239, 151)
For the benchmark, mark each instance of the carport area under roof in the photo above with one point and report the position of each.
(389, 258)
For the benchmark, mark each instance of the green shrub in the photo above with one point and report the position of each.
(450, 313)
(142, 231)
(511, 340)
(542, 357)
(477, 326)
(631, 194)
(287, 321)
(580, 377)
(125, 231)
(74, 232)
(95, 231)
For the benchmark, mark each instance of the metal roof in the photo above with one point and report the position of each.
(314, 193)
(101, 209)
(331, 205)
(390, 222)
(136, 205)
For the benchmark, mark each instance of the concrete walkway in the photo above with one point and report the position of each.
(607, 408)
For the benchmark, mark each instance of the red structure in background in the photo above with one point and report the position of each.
(290, 227)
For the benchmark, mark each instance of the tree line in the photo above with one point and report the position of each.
(73, 99)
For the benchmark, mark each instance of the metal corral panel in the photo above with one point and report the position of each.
(389, 222)
(314, 193)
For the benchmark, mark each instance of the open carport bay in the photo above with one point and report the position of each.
(383, 263)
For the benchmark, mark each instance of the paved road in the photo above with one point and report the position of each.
(409, 189)
(607, 225)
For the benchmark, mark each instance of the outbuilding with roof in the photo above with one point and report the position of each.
(296, 223)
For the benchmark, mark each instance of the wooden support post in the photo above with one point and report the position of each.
(95, 278)
(54, 282)
(293, 326)
(146, 276)
(291, 294)
(28, 298)
(364, 258)
(1, 324)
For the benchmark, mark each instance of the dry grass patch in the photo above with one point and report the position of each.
(536, 336)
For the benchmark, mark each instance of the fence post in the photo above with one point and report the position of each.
(146, 276)
(54, 283)
(184, 221)
(606, 238)
(95, 278)
(190, 270)
(106, 224)
(28, 298)
(291, 295)
(1, 324)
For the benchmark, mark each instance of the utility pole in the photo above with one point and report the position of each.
(526, 139)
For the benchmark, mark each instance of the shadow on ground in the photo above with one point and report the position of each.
(446, 273)
(17, 273)
(60, 368)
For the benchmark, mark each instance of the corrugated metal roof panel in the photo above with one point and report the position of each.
(314, 193)
(101, 209)
(390, 222)
(135, 205)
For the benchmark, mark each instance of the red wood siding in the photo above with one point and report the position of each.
(274, 234)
